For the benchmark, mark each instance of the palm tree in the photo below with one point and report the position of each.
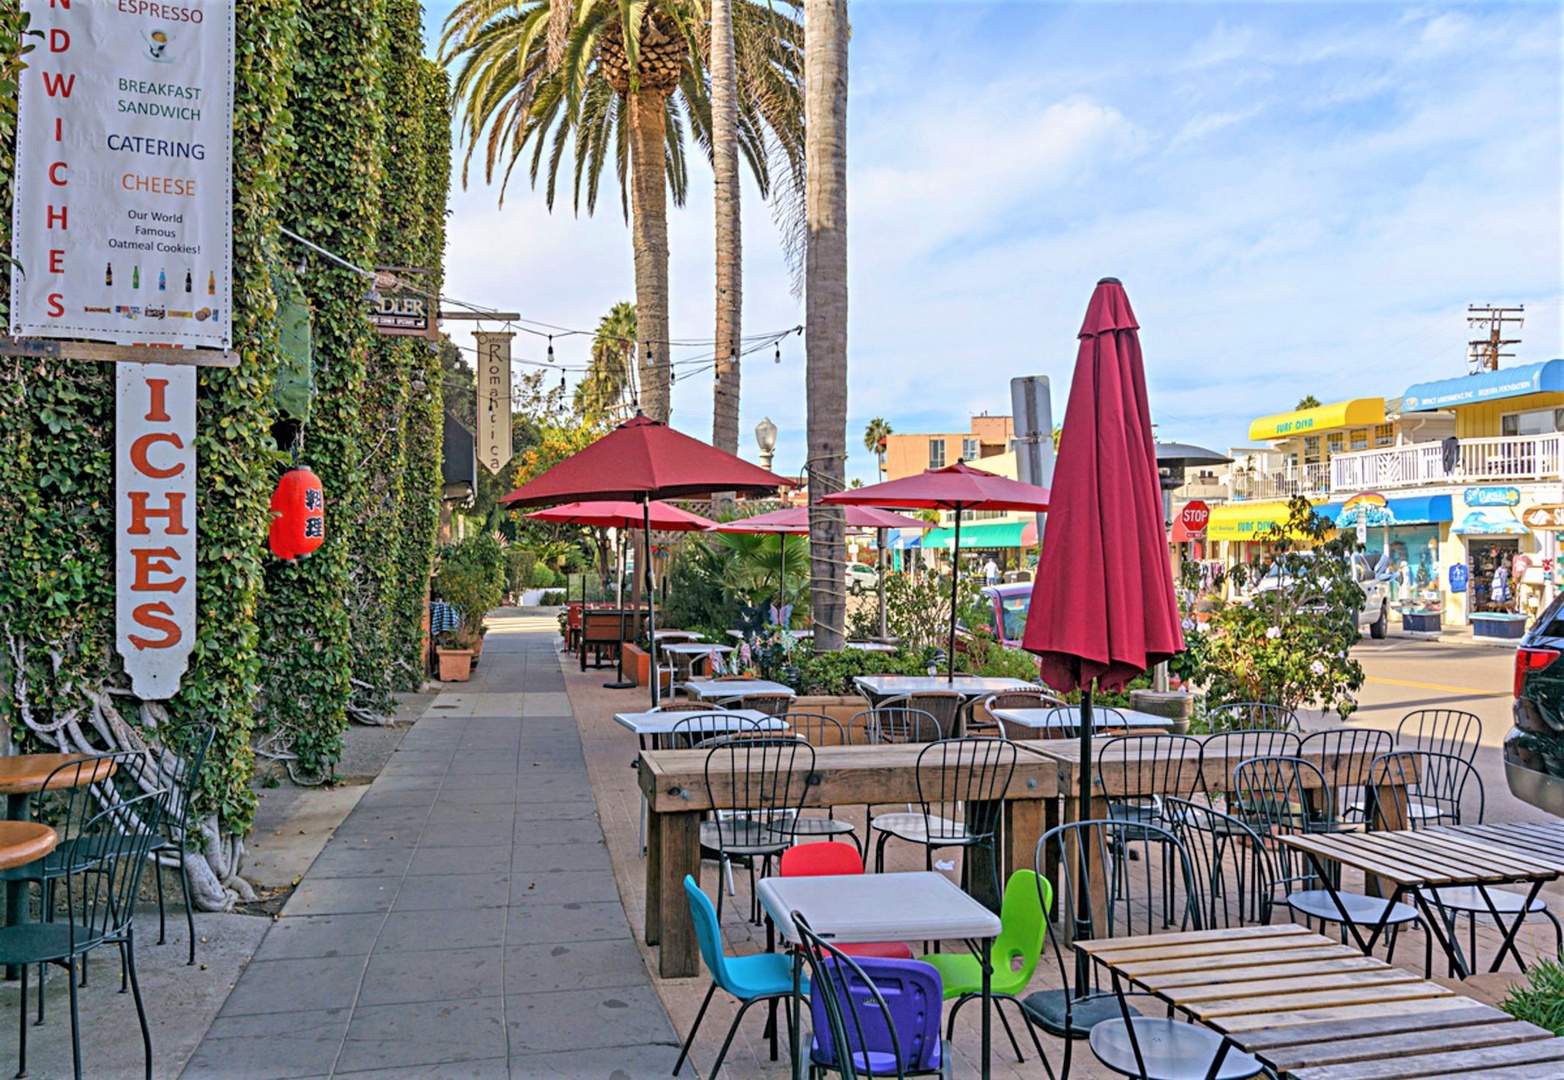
(601, 393)
(602, 93)
(729, 232)
(874, 436)
(825, 312)
(1308, 402)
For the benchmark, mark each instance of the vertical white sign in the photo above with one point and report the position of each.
(494, 429)
(155, 524)
(123, 219)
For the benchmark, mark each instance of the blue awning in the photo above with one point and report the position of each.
(1544, 378)
(1412, 510)
(902, 538)
(1489, 521)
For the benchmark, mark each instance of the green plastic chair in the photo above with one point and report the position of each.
(1023, 927)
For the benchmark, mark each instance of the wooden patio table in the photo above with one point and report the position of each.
(1417, 862)
(22, 842)
(1313, 1009)
(674, 783)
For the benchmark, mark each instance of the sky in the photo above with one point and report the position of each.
(1299, 198)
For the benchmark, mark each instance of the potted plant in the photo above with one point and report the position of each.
(454, 647)
(470, 575)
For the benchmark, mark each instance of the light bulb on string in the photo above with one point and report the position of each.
(777, 359)
(551, 348)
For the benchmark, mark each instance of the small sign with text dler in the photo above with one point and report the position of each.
(398, 309)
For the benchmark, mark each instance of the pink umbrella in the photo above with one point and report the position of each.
(1103, 608)
(956, 487)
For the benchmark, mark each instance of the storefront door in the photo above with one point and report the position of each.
(1490, 560)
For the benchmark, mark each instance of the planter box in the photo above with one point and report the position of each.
(638, 666)
(455, 664)
(1421, 622)
(840, 709)
(1510, 627)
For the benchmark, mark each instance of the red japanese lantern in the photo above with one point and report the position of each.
(298, 515)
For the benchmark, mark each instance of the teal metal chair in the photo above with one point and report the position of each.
(1023, 930)
(765, 977)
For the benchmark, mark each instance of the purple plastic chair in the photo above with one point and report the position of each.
(886, 1011)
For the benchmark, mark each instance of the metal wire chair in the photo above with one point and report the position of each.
(763, 779)
(1252, 716)
(1441, 731)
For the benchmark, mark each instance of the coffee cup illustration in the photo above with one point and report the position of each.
(158, 39)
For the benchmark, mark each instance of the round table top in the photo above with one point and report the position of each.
(22, 842)
(25, 774)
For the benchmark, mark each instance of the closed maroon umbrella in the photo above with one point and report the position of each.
(642, 460)
(956, 487)
(1103, 608)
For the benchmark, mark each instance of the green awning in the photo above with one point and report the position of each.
(982, 534)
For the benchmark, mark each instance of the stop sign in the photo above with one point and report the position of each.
(1195, 515)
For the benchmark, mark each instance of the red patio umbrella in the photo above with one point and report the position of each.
(622, 514)
(1103, 608)
(642, 460)
(956, 487)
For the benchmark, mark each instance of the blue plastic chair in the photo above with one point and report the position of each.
(766, 977)
(886, 1013)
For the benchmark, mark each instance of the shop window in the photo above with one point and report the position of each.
(936, 453)
(970, 450)
(1384, 434)
(1334, 443)
(1536, 422)
(1311, 450)
(1359, 439)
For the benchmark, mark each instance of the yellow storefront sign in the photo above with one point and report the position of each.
(1245, 520)
(1359, 412)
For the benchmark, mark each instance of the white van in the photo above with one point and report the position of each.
(1371, 575)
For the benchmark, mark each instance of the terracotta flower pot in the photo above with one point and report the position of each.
(455, 664)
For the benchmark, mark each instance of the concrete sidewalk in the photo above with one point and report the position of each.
(464, 920)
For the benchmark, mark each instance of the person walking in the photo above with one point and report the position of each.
(991, 571)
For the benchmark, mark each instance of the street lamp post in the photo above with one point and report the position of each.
(766, 439)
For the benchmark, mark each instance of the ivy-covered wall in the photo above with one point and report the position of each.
(279, 646)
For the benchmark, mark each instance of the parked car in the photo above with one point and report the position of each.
(1534, 748)
(862, 576)
(1371, 575)
(1007, 608)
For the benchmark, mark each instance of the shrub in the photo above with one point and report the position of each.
(519, 564)
(470, 574)
(553, 598)
(1540, 1000)
(543, 577)
(832, 673)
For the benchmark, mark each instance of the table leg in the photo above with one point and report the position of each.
(1449, 942)
(17, 808)
(796, 1005)
(1508, 944)
(654, 876)
(985, 958)
(679, 854)
(983, 863)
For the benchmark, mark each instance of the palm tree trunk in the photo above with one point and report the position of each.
(730, 270)
(649, 226)
(825, 276)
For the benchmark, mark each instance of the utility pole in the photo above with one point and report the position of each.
(1485, 351)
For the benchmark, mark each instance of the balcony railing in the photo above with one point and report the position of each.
(1523, 457)
(1311, 480)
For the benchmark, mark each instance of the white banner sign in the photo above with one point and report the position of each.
(123, 210)
(155, 524)
(493, 436)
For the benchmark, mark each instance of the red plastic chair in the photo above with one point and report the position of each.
(831, 857)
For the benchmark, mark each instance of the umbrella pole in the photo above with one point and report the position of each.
(651, 601)
(620, 682)
(782, 583)
(880, 547)
(955, 577)
(1083, 899)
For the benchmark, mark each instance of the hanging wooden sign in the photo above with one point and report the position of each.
(494, 426)
(400, 309)
(155, 524)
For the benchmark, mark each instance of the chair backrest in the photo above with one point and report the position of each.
(1283, 795)
(765, 780)
(971, 773)
(818, 729)
(825, 858)
(1235, 878)
(1066, 720)
(1236, 746)
(1151, 767)
(1023, 928)
(943, 705)
(872, 1017)
(770, 704)
(1111, 883)
(178, 763)
(1441, 731)
(708, 933)
(107, 859)
(1345, 754)
(683, 705)
(1430, 789)
(699, 728)
(896, 722)
(1251, 716)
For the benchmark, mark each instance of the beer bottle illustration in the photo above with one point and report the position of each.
(135, 277)
(108, 275)
(211, 283)
(162, 281)
(187, 281)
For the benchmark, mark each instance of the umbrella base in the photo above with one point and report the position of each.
(623, 684)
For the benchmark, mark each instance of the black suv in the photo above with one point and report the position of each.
(1534, 749)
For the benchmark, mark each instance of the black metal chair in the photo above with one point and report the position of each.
(1251, 716)
(180, 760)
(1008, 699)
(1284, 795)
(1066, 720)
(818, 729)
(100, 858)
(763, 778)
(699, 728)
(896, 723)
(1441, 731)
(1159, 764)
(1347, 752)
(1436, 792)
(1235, 877)
(944, 706)
(958, 776)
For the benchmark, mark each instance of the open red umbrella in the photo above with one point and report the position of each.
(642, 460)
(1103, 608)
(622, 514)
(956, 487)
